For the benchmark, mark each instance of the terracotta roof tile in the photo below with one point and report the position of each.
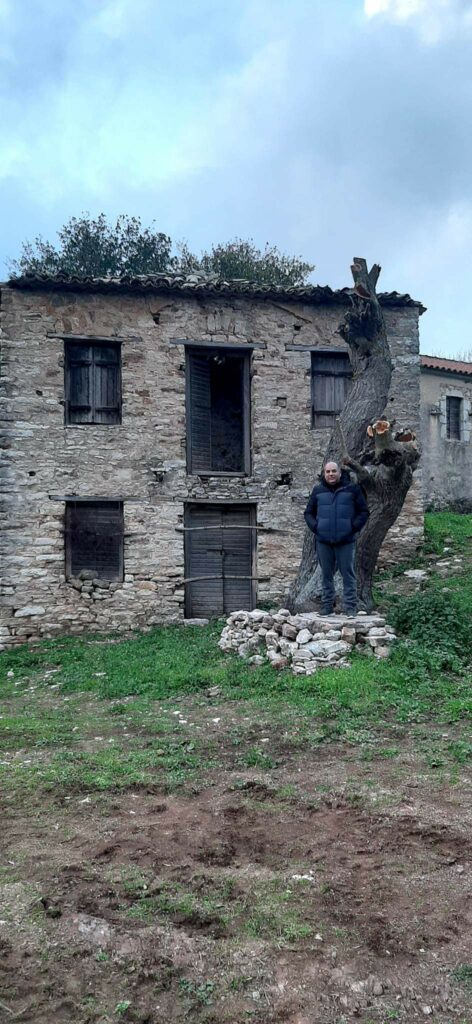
(453, 365)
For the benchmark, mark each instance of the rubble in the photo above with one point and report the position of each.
(304, 642)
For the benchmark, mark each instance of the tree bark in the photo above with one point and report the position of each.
(381, 462)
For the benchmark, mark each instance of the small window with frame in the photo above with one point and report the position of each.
(453, 418)
(331, 379)
(92, 383)
(94, 539)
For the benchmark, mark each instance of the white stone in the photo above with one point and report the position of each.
(416, 574)
(304, 636)
(30, 609)
(303, 654)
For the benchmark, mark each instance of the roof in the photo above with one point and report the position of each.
(197, 284)
(451, 365)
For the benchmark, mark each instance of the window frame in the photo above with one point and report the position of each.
(72, 506)
(459, 409)
(94, 346)
(340, 354)
(193, 351)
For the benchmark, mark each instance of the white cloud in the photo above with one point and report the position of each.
(116, 17)
(434, 20)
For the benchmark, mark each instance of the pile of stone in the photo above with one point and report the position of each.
(304, 642)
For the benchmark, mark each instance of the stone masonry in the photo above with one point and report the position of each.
(142, 461)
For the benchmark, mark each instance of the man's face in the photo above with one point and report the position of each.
(332, 473)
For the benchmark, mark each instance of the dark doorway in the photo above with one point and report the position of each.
(220, 548)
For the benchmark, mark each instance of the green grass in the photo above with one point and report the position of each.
(442, 525)
(64, 701)
(267, 910)
(463, 974)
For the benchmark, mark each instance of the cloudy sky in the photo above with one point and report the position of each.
(333, 128)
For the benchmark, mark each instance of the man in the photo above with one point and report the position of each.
(336, 513)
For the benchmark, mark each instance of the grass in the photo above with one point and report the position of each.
(266, 910)
(81, 714)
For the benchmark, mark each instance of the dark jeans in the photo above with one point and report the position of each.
(342, 557)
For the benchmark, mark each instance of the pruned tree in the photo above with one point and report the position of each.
(383, 461)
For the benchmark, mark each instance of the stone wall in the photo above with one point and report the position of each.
(143, 459)
(447, 463)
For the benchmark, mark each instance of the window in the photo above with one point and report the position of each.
(94, 539)
(331, 375)
(453, 417)
(218, 412)
(92, 383)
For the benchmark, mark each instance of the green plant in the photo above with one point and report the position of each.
(440, 625)
(122, 1007)
(201, 992)
(463, 974)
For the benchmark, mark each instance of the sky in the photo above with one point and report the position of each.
(332, 128)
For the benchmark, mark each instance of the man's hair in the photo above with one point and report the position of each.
(329, 462)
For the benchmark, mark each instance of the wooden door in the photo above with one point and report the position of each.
(218, 559)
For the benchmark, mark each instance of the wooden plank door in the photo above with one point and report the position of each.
(217, 554)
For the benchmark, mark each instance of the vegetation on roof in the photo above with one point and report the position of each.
(90, 247)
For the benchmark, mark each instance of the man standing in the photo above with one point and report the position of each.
(336, 513)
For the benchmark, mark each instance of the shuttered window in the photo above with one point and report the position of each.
(219, 559)
(218, 412)
(453, 417)
(94, 538)
(92, 383)
(331, 376)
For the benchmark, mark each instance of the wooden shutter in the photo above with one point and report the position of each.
(94, 539)
(92, 383)
(198, 413)
(218, 412)
(106, 383)
(331, 381)
(78, 383)
(220, 553)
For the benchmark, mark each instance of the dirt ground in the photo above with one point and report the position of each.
(320, 890)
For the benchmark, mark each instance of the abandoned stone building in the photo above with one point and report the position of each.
(161, 436)
(446, 427)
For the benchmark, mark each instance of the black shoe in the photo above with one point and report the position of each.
(326, 611)
(350, 612)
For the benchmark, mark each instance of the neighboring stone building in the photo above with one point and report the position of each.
(138, 413)
(446, 411)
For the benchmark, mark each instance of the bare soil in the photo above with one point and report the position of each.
(322, 890)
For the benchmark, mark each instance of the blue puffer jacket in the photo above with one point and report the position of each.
(336, 514)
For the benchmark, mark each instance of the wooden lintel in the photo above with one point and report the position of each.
(92, 497)
(317, 348)
(239, 346)
(94, 337)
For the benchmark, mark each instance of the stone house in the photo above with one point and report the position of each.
(160, 438)
(446, 426)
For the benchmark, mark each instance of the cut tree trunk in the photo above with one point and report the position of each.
(383, 464)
